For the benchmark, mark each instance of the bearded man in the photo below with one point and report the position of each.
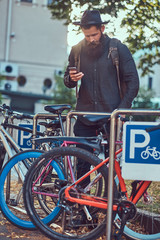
(99, 89)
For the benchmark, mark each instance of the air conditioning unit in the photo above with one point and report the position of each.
(8, 85)
(8, 69)
(59, 73)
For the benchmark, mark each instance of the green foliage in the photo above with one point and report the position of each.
(144, 101)
(141, 19)
(62, 9)
(142, 22)
(62, 94)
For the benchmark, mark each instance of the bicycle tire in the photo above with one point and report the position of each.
(52, 230)
(144, 155)
(157, 157)
(146, 224)
(14, 214)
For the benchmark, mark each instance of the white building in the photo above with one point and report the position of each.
(33, 47)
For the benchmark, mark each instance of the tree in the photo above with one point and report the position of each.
(144, 101)
(141, 19)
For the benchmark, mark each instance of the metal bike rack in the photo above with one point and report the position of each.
(35, 120)
(70, 115)
(114, 116)
(76, 113)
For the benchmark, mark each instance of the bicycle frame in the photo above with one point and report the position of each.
(5, 138)
(67, 162)
(90, 202)
(98, 201)
(64, 144)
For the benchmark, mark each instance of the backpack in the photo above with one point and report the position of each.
(113, 52)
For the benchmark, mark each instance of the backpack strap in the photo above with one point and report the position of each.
(113, 51)
(77, 64)
(77, 51)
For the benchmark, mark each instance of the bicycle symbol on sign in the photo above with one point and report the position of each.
(150, 152)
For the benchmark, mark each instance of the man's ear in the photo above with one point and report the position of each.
(102, 28)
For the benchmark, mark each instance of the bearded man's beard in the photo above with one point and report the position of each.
(95, 50)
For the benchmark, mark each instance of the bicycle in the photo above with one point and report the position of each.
(13, 173)
(135, 206)
(150, 152)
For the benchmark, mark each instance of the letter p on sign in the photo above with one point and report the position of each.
(134, 144)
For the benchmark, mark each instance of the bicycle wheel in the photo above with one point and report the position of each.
(157, 155)
(146, 224)
(11, 195)
(72, 222)
(144, 155)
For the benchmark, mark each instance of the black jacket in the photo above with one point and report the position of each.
(99, 90)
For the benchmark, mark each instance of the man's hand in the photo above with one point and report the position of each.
(75, 76)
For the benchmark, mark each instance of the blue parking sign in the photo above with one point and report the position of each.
(24, 138)
(141, 151)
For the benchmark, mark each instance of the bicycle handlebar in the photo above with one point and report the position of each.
(23, 115)
(16, 115)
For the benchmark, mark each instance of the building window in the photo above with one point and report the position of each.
(150, 81)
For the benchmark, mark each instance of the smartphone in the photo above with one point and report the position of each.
(73, 68)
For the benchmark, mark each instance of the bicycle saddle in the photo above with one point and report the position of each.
(58, 108)
(95, 119)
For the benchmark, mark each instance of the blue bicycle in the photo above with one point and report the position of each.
(13, 172)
